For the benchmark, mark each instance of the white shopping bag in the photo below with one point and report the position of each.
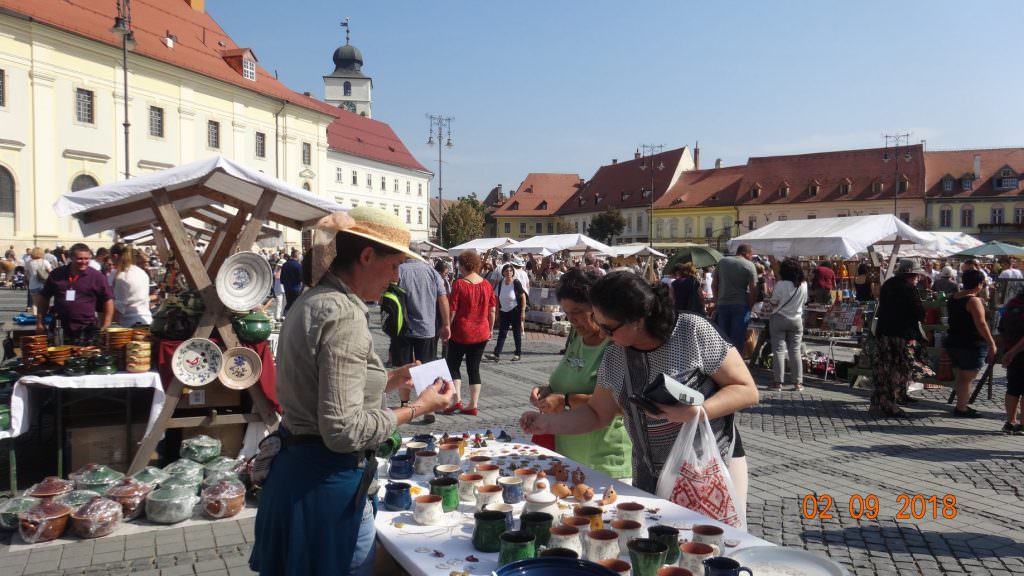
(696, 477)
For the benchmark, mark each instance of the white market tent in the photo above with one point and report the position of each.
(481, 245)
(553, 243)
(627, 250)
(428, 249)
(942, 245)
(842, 237)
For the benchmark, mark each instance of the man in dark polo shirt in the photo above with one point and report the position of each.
(79, 292)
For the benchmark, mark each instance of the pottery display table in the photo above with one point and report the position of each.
(440, 550)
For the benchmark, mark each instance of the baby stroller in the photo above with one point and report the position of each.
(18, 280)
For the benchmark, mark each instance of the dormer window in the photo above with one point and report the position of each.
(580, 200)
(514, 206)
(947, 184)
(755, 190)
(626, 195)
(967, 183)
(646, 193)
(543, 205)
(1007, 179)
(783, 190)
(714, 196)
(813, 188)
(844, 187)
(249, 69)
(597, 199)
(877, 187)
(904, 184)
(1006, 172)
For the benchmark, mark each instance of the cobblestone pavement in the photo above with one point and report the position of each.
(820, 442)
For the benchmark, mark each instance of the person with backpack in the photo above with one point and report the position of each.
(686, 292)
(511, 298)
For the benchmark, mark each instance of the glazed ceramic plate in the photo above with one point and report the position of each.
(781, 561)
(242, 368)
(244, 281)
(196, 362)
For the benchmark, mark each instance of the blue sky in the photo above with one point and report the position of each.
(567, 85)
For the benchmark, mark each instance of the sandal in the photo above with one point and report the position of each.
(468, 411)
(457, 407)
(798, 387)
(775, 387)
(968, 413)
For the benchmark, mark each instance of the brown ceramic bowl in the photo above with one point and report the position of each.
(223, 500)
(51, 486)
(43, 522)
(131, 495)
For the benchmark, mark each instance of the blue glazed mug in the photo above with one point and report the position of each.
(722, 566)
(428, 438)
(397, 497)
(401, 467)
(511, 489)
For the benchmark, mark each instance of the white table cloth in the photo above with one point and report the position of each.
(413, 546)
(20, 409)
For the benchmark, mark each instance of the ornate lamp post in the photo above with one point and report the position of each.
(440, 124)
(123, 27)
(900, 143)
(649, 151)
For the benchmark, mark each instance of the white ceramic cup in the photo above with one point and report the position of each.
(563, 536)
(449, 454)
(427, 510)
(578, 522)
(488, 494)
(489, 471)
(529, 476)
(627, 530)
(630, 511)
(467, 486)
(542, 502)
(708, 534)
(602, 544)
(425, 462)
(693, 554)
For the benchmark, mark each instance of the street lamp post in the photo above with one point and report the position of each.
(440, 124)
(649, 151)
(900, 147)
(123, 27)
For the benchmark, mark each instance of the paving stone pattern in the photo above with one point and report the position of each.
(820, 442)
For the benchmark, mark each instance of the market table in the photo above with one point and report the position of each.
(413, 546)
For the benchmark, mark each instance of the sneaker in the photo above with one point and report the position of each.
(452, 409)
(969, 413)
(515, 358)
(775, 387)
(1008, 429)
(798, 387)
(1018, 430)
(492, 357)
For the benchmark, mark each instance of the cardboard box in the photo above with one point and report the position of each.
(230, 436)
(213, 395)
(103, 445)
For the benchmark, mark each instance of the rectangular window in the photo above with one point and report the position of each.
(355, 202)
(1018, 215)
(967, 184)
(84, 105)
(708, 232)
(261, 145)
(249, 69)
(213, 134)
(355, 178)
(752, 223)
(408, 215)
(508, 228)
(156, 122)
(947, 184)
(408, 187)
(811, 216)
(966, 218)
(996, 216)
(383, 184)
(904, 186)
(522, 227)
(396, 209)
(339, 175)
(551, 228)
(905, 217)
(1006, 183)
(419, 189)
(307, 153)
(946, 218)
(396, 185)
(419, 216)
(369, 181)
(3, 89)
(844, 189)
(539, 228)
(783, 217)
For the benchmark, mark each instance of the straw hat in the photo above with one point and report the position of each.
(373, 224)
(909, 266)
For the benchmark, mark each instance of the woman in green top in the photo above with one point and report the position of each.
(571, 384)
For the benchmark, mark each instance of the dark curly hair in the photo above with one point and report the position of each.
(625, 297)
(575, 285)
(790, 269)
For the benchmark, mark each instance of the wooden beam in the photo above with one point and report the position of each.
(226, 248)
(156, 433)
(213, 419)
(255, 224)
(161, 244)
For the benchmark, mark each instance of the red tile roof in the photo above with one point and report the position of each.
(540, 194)
(704, 189)
(860, 168)
(620, 185)
(958, 163)
(201, 47)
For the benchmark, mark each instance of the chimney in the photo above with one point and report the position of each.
(696, 156)
(977, 166)
(636, 155)
(197, 5)
(615, 161)
(307, 94)
(718, 162)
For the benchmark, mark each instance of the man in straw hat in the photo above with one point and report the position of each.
(313, 517)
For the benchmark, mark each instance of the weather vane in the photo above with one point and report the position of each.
(345, 26)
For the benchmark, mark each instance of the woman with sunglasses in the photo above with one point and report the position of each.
(648, 340)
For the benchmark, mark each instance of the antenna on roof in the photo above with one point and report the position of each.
(345, 26)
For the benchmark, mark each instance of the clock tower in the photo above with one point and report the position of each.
(347, 87)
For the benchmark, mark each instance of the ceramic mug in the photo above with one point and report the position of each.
(511, 489)
(567, 537)
(447, 471)
(627, 530)
(449, 454)
(467, 486)
(400, 467)
(541, 502)
(646, 556)
(721, 566)
(620, 567)
(529, 476)
(592, 513)
(412, 447)
(670, 536)
(708, 534)
(505, 509)
(448, 490)
(630, 511)
(427, 510)
(693, 554)
(488, 526)
(427, 439)
(480, 459)
(487, 494)
(424, 462)
(516, 545)
(539, 523)
(397, 496)
(601, 544)
(578, 522)
(559, 553)
(490, 472)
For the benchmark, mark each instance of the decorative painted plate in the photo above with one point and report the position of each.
(244, 281)
(242, 368)
(196, 362)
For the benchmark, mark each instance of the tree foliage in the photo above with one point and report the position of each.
(463, 221)
(606, 225)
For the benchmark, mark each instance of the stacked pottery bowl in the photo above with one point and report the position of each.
(137, 356)
(116, 340)
(103, 364)
(33, 349)
(58, 354)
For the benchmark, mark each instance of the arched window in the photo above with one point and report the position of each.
(83, 182)
(6, 191)
(348, 88)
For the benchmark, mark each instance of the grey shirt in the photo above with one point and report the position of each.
(422, 285)
(735, 274)
(330, 382)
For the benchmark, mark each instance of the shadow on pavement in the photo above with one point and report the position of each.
(940, 454)
(911, 540)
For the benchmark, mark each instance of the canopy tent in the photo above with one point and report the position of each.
(992, 248)
(700, 254)
(941, 245)
(826, 236)
(556, 243)
(627, 250)
(428, 249)
(481, 245)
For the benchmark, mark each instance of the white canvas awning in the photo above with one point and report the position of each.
(212, 181)
(627, 250)
(428, 249)
(826, 236)
(481, 245)
(554, 243)
(941, 245)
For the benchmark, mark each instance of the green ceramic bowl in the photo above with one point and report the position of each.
(252, 328)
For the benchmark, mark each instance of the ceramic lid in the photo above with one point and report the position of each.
(48, 509)
(51, 486)
(97, 507)
(183, 466)
(129, 488)
(224, 489)
(150, 475)
(96, 473)
(171, 495)
(201, 441)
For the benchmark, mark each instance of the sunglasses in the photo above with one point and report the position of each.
(609, 332)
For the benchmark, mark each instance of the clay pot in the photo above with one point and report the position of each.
(252, 328)
(43, 522)
(223, 500)
(50, 486)
(131, 495)
(96, 518)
